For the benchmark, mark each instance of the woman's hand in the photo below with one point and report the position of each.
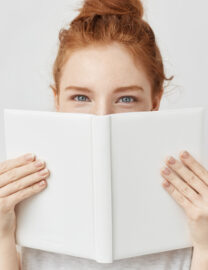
(187, 182)
(20, 178)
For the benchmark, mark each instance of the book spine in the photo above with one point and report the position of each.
(101, 162)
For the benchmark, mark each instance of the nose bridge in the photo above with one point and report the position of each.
(102, 107)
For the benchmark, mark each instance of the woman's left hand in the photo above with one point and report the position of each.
(188, 185)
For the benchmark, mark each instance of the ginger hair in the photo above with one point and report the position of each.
(101, 22)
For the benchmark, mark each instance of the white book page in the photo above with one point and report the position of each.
(145, 217)
(60, 218)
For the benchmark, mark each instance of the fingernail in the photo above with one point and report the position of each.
(39, 163)
(29, 157)
(166, 183)
(185, 154)
(42, 183)
(171, 160)
(166, 171)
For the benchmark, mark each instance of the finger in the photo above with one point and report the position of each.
(23, 194)
(195, 166)
(182, 187)
(193, 180)
(20, 172)
(23, 183)
(178, 197)
(16, 162)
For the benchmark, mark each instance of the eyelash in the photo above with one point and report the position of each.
(135, 99)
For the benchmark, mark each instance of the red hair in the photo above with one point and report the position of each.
(104, 21)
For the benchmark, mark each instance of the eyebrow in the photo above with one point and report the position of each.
(117, 90)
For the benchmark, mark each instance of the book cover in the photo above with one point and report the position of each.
(104, 200)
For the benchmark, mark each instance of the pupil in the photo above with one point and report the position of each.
(81, 97)
(126, 98)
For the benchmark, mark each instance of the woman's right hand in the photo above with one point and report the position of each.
(20, 178)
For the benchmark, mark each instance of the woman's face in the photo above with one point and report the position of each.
(104, 80)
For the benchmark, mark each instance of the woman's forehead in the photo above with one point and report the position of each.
(98, 65)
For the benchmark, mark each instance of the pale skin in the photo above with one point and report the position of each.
(102, 70)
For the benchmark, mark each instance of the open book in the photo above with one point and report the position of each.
(104, 200)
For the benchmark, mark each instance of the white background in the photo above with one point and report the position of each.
(29, 42)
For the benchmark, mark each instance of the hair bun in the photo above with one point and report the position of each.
(114, 7)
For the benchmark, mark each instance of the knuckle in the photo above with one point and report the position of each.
(11, 174)
(192, 162)
(192, 178)
(185, 189)
(18, 185)
(34, 188)
(194, 197)
(178, 165)
(171, 190)
(37, 175)
(181, 200)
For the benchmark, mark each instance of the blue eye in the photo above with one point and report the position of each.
(126, 98)
(79, 96)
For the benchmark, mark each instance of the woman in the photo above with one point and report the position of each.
(108, 62)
